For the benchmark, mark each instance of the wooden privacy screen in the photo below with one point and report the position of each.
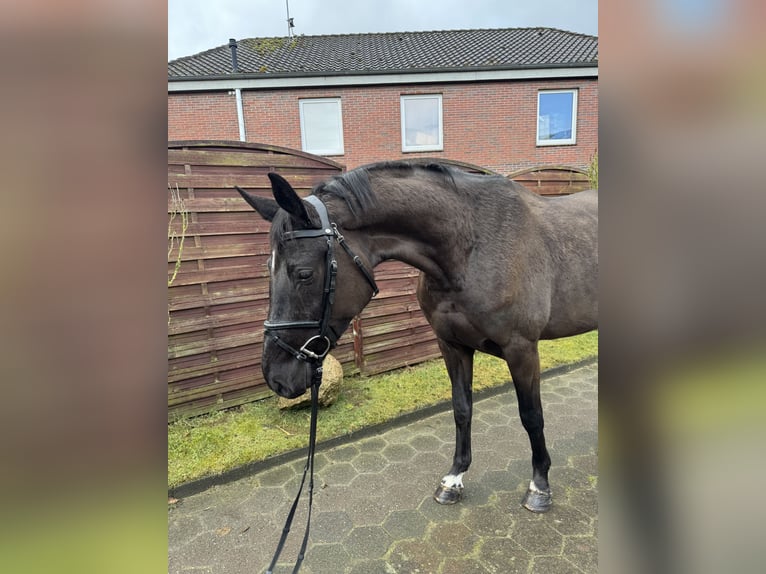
(219, 298)
(552, 180)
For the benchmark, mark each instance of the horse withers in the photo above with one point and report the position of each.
(501, 268)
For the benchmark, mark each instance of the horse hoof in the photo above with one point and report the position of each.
(537, 500)
(448, 494)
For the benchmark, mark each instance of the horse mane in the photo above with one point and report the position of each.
(354, 188)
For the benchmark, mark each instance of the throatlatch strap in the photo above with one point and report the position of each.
(316, 381)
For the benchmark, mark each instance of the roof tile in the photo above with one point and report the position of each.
(393, 52)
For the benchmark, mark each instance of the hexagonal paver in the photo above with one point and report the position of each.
(452, 539)
(379, 566)
(406, 524)
(582, 551)
(551, 565)
(539, 541)
(503, 555)
(464, 566)
(367, 511)
(367, 542)
(324, 558)
(568, 520)
(440, 512)
(338, 473)
(342, 453)
(435, 463)
(374, 444)
(426, 443)
(328, 526)
(398, 452)
(369, 462)
(277, 476)
(414, 556)
(491, 520)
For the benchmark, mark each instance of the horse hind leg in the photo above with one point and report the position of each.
(524, 363)
(459, 362)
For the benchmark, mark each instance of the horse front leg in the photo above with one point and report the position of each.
(524, 363)
(459, 362)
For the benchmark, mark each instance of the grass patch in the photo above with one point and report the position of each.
(212, 444)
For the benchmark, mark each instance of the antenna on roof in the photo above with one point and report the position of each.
(290, 24)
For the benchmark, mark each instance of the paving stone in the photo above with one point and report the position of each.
(403, 524)
(330, 526)
(324, 558)
(414, 556)
(491, 520)
(375, 444)
(373, 508)
(379, 566)
(503, 556)
(368, 511)
(426, 443)
(342, 453)
(463, 566)
(277, 476)
(539, 541)
(369, 462)
(551, 565)
(338, 473)
(367, 542)
(569, 520)
(398, 452)
(452, 539)
(582, 551)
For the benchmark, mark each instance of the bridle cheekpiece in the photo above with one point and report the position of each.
(326, 334)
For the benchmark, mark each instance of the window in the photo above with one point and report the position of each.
(557, 117)
(321, 126)
(422, 123)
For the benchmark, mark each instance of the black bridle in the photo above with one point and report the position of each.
(314, 359)
(326, 334)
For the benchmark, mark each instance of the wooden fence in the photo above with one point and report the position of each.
(552, 180)
(218, 299)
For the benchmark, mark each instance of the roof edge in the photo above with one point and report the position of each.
(230, 82)
(397, 71)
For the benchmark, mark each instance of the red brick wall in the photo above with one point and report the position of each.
(203, 116)
(491, 124)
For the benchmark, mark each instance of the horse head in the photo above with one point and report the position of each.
(315, 290)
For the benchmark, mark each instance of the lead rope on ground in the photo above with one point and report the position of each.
(316, 381)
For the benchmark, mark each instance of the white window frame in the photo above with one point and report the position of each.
(321, 151)
(569, 141)
(439, 146)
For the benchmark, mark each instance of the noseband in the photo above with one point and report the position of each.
(326, 333)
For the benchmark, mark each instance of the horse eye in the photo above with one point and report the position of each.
(305, 274)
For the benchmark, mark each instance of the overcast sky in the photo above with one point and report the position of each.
(197, 25)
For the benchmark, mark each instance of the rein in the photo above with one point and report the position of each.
(316, 380)
(314, 358)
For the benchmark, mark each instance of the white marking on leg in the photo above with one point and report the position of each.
(453, 480)
(273, 262)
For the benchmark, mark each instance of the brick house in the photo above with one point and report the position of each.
(503, 99)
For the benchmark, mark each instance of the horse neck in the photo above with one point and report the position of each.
(422, 225)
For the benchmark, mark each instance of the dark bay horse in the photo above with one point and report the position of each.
(501, 268)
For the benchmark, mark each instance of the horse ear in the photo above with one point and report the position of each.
(288, 199)
(266, 208)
